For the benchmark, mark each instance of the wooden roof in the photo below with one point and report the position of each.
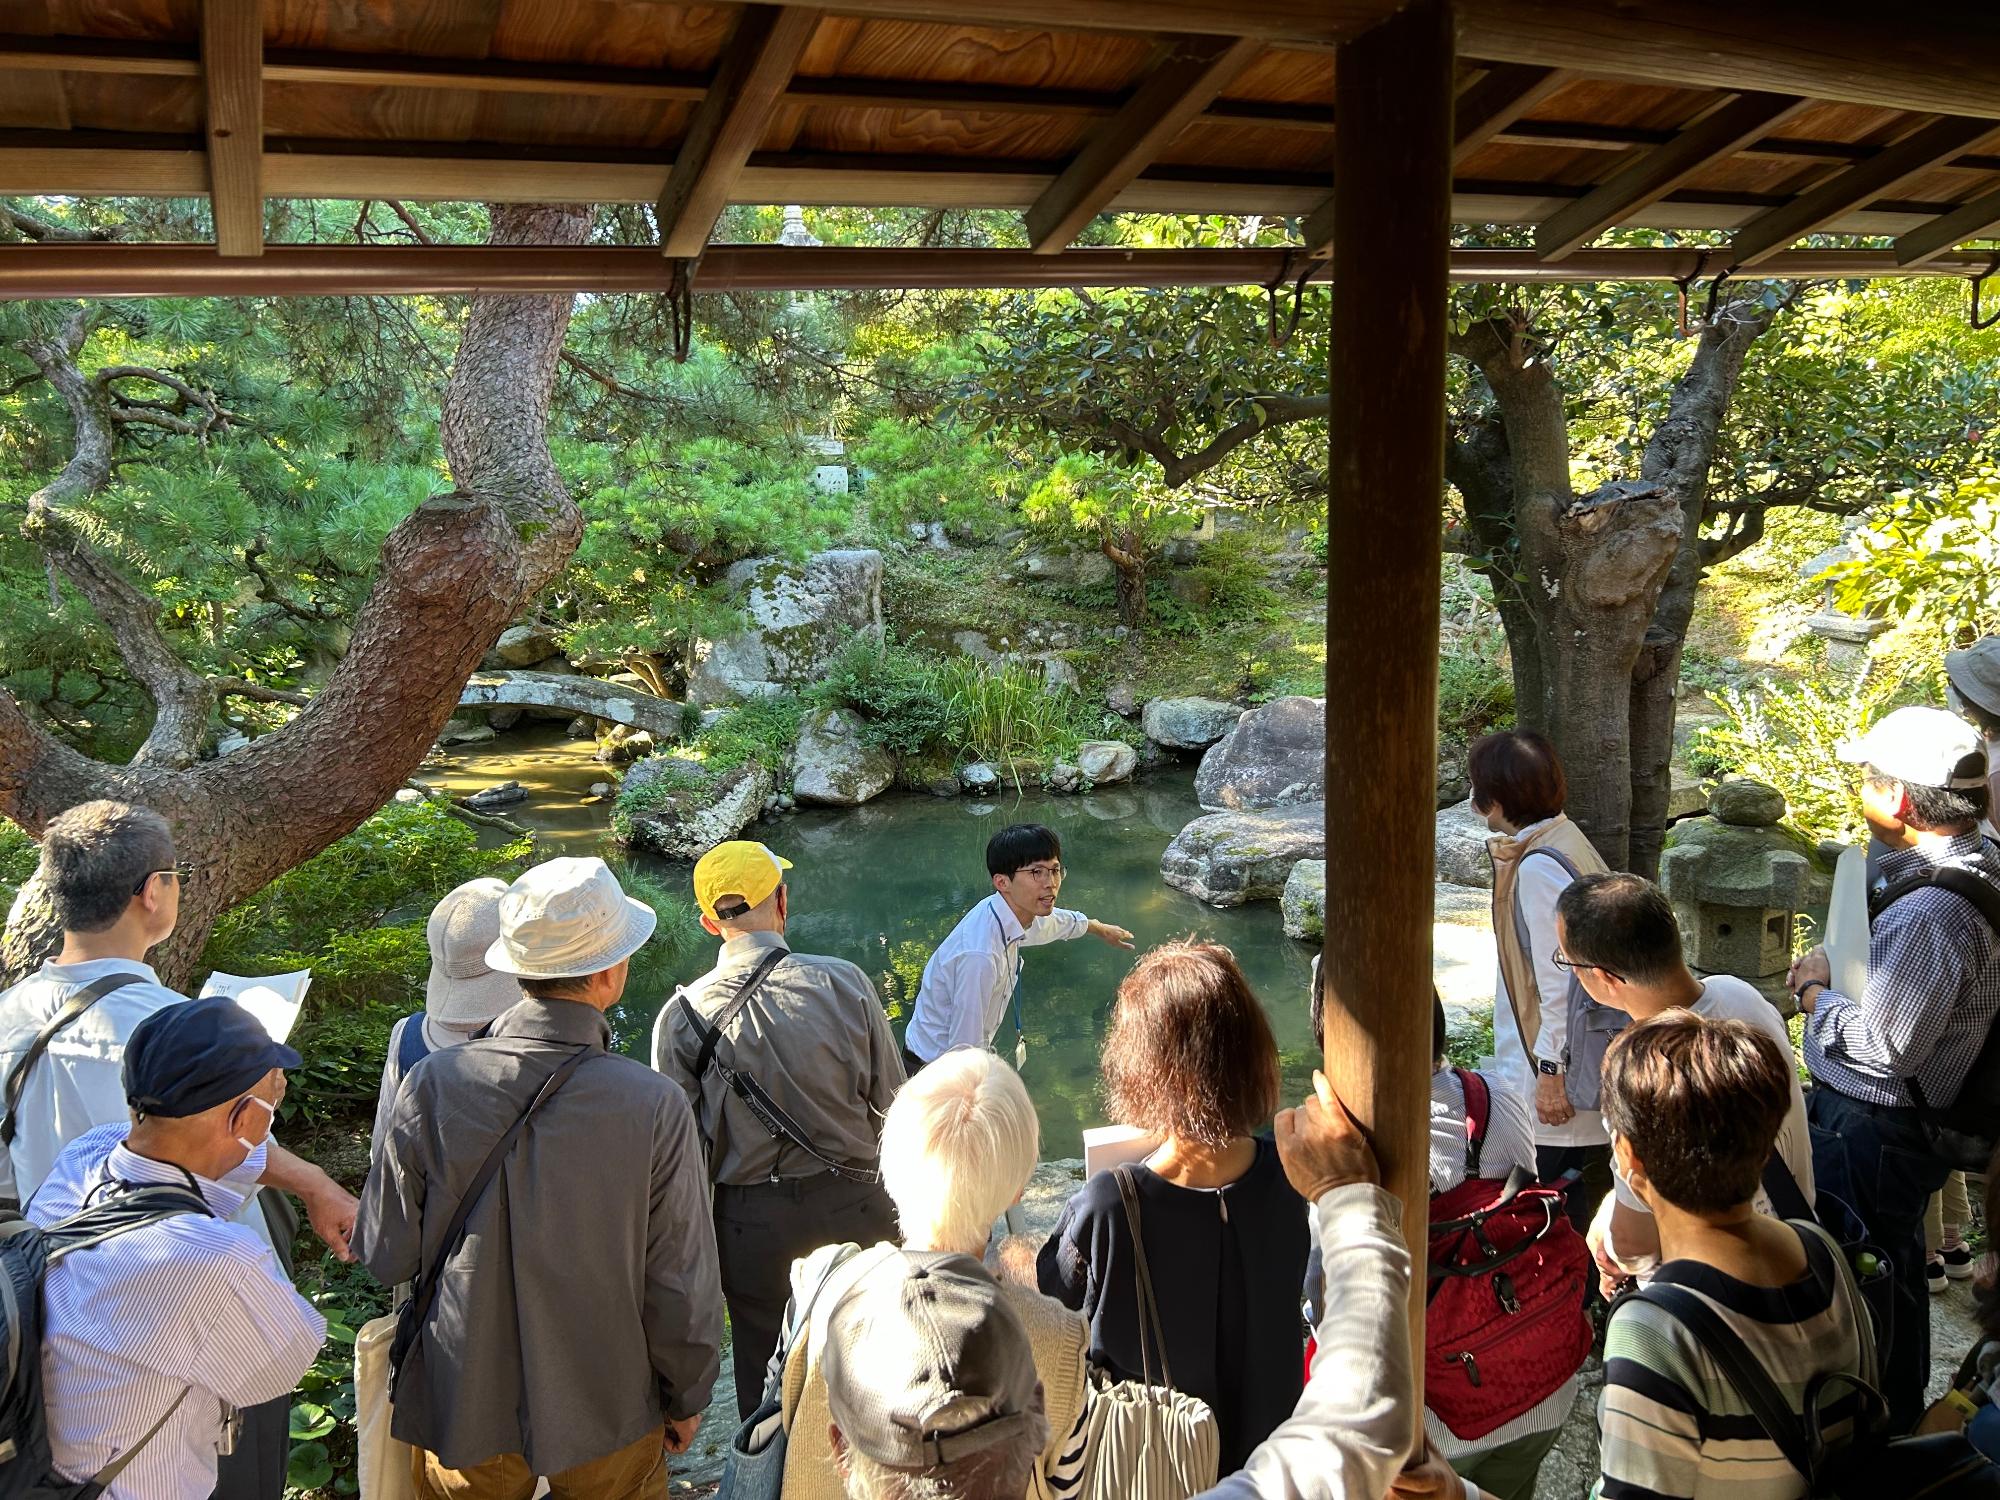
(1573, 116)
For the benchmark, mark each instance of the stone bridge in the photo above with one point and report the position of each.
(660, 717)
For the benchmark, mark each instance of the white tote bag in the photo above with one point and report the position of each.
(1147, 1441)
(385, 1465)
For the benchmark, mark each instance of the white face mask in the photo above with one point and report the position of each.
(270, 1109)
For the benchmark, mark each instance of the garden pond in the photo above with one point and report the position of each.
(883, 884)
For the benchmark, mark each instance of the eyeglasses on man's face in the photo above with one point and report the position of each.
(1048, 873)
(182, 870)
(1569, 966)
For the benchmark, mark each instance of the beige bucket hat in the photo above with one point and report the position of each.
(567, 917)
(463, 988)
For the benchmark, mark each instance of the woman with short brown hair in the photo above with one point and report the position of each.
(1190, 1059)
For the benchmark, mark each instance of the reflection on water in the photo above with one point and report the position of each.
(882, 884)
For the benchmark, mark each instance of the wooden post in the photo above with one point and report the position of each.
(1391, 254)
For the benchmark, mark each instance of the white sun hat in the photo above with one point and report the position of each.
(463, 989)
(565, 918)
(1922, 747)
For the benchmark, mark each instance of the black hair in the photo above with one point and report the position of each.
(1622, 923)
(1020, 844)
(1945, 807)
(1440, 1034)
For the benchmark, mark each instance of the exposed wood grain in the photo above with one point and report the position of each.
(1193, 73)
(1979, 219)
(1659, 171)
(1392, 193)
(1495, 101)
(726, 126)
(232, 47)
(1877, 177)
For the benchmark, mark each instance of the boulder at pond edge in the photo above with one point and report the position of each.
(1227, 859)
(704, 811)
(832, 764)
(1275, 756)
(797, 617)
(1106, 762)
(1304, 901)
(1188, 723)
(1461, 846)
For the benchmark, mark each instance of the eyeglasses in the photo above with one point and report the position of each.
(182, 870)
(1041, 872)
(1569, 966)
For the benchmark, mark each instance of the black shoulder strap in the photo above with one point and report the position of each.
(134, 1207)
(81, 1001)
(711, 1032)
(1788, 1199)
(424, 1293)
(1739, 1367)
(1960, 882)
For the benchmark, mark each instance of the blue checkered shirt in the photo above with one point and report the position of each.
(1933, 990)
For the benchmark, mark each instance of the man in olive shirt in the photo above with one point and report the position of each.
(577, 1325)
(807, 1038)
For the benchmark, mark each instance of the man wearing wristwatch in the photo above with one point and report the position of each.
(1930, 998)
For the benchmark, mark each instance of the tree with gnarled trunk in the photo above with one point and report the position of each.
(451, 576)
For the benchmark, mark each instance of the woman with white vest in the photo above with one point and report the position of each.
(1518, 787)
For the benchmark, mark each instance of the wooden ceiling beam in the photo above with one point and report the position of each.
(1193, 73)
(757, 62)
(1923, 150)
(1942, 59)
(1492, 103)
(1319, 23)
(1658, 172)
(1977, 220)
(232, 53)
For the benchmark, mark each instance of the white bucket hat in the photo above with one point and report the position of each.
(565, 918)
(463, 988)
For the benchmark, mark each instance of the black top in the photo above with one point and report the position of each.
(1227, 1266)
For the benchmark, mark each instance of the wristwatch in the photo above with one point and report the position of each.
(1548, 1069)
(1799, 994)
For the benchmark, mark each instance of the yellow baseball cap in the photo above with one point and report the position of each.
(741, 867)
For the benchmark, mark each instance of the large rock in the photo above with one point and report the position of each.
(1688, 795)
(1106, 762)
(1304, 901)
(1453, 785)
(1461, 846)
(1275, 756)
(980, 779)
(1229, 858)
(834, 765)
(524, 646)
(797, 617)
(571, 694)
(1747, 804)
(1064, 569)
(688, 810)
(1188, 723)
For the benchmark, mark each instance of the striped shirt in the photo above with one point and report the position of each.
(188, 1310)
(1932, 994)
(1672, 1427)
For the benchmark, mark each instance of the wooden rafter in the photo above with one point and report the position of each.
(1481, 111)
(1194, 72)
(757, 63)
(232, 48)
(1658, 172)
(1923, 150)
(1979, 219)
(1493, 102)
(502, 76)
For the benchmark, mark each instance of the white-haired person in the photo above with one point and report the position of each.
(958, 1146)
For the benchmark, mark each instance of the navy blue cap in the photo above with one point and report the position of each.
(198, 1054)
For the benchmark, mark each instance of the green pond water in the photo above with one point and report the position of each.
(881, 885)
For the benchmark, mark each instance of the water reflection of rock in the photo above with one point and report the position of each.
(1112, 807)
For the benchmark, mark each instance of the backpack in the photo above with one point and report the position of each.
(27, 1251)
(1590, 1026)
(1966, 1131)
(1867, 1463)
(1505, 1324)
(72, 1009)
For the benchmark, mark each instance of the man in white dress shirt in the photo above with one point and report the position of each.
(158, 1336)
(974, 977)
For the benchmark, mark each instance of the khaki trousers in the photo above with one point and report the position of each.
(637, 1472)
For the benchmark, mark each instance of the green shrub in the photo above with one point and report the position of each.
(18, 854)
(1470, 1042)
(892, 688)
(1475, 688)
(761, 729)
(1789, 737)
(657, 790)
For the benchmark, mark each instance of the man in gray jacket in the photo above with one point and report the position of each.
(576, 1323)
(797, 1171)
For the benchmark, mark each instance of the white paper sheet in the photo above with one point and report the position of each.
(1108, 1146)
(1847, 924)
(274, 999)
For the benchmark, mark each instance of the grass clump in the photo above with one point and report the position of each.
(1475, 688)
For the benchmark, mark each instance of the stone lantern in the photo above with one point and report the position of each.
(1737, 881)
(1846, 636)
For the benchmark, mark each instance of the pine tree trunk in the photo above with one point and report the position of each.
(452, 576)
